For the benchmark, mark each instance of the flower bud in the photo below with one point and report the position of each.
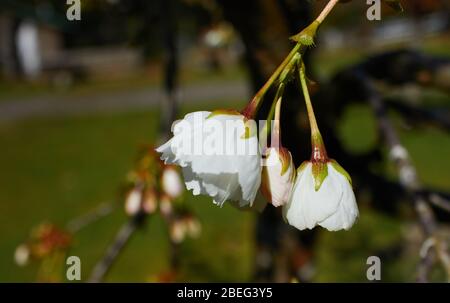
(133, 202)
(322, 195)
(278, 176)
(171, 182)
(22, 255)
(178, 231)
(194, 228)
(165, 206)
(149, 204)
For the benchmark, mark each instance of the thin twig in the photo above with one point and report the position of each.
(171, 70)
(78, 223)
(438, 117)
(113, 251)
(439, 201)
(426, 261)
(326, 10)
(408, 176)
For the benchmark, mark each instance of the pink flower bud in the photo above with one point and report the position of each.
(278, 176)
(171, 182)
(133, 202)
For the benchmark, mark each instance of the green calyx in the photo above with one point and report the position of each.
(302, 167)
(284, 166)
(285, 159)
(306, 36)
(341, 170)
(247, 133)
(218, 112)
(320, 172)
(249, 129)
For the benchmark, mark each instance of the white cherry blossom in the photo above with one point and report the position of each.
(332, 205)
(219, 155)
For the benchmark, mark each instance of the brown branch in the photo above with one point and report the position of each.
(78, 223)
(408, 177)
(169, 104)
(437, 117)
(439, 201)
(427, 257)
(123, 236)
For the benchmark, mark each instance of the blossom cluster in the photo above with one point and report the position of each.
(153, 187)
(44, 241)
(46, 247)
(319, 192)
(223, 154)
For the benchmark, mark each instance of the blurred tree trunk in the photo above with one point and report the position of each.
(170, 105)
(8, 46)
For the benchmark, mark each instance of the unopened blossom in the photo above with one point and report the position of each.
(165, 205)
(219, 155)
(331, 205)
(133, 201)
(194, 228)
(138, 200)
(322, 193)
(278, 174)
(183, 226)
(22, 255)
(177, 231)
(150, 201)
(171, 181)
(48, 238)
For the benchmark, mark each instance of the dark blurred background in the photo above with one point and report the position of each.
(78, 98)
